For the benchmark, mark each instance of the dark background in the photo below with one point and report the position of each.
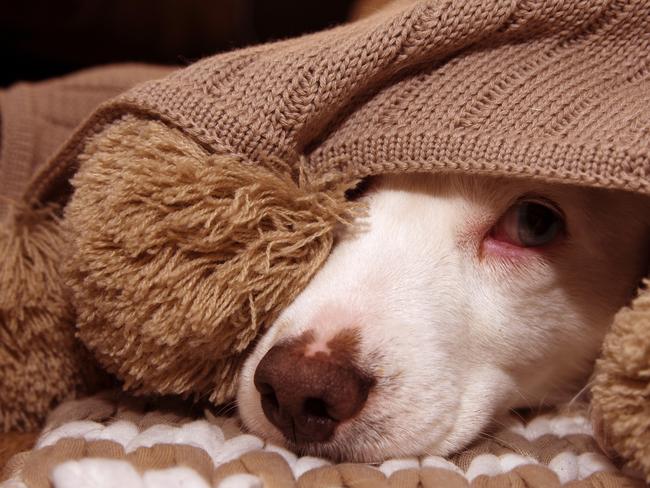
(45, 38)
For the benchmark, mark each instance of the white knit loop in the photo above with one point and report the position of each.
(491, 465)
(109, 473)
(200, 434)
(392, 465)
(485, 464)
(96, 473)
(237, 446)
(565, 465)
(560, 426)
(511, 461)
(441, 463)
(241, 481)
(178, 477)
(288, 456)
(81, 428)
(308, 463)
(121, 431)
(592, 462)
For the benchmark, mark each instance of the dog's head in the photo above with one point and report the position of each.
(453, 300)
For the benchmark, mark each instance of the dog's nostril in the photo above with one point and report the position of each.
(265, 388)
(315, 407)
(271, 399)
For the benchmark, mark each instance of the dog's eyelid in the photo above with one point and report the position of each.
(360, 189)
(542, 200)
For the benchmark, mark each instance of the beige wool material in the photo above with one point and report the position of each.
(557, 90)
(551, 89)
(41, 361)
(37, 118)
(204, 253)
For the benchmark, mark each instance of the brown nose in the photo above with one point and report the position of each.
(307, 397)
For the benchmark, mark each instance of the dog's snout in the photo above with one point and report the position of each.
(308, 396)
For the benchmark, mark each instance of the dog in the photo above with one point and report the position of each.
(452, 300)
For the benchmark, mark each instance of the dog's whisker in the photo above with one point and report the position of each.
(497, 422)
(516, 413)
(486, 435)
(520, 393)
(225, 410)
(578, 394)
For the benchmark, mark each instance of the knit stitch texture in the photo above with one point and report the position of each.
(551, 89)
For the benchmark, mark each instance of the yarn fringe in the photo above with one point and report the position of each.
(179, 258)
(621, 394)
(40, 360)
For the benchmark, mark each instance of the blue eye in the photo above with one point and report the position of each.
(537, 224)
(530, 223)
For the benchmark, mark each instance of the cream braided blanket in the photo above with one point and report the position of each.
(114, 441)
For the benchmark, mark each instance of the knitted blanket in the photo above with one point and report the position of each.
(115, 441)
(37, 118)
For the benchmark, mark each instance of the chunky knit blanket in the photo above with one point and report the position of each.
(114, 441)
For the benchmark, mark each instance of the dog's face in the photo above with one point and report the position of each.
(453, 300)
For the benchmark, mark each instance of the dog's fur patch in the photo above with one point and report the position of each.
(454, 332)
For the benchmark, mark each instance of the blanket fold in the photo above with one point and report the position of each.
(533, 88)
(37, 118)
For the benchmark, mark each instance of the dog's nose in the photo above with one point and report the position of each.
(307, 397)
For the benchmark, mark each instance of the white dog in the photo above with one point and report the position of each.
(453, 300)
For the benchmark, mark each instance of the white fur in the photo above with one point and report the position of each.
(456, 335)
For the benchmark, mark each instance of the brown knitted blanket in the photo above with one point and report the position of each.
(37, 118)
(547, 89)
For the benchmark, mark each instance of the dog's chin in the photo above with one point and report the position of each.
(373, 448)
(346, 451)
(337, 451)
(362, 440)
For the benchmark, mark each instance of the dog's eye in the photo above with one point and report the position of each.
(529, 223)
(359, 190)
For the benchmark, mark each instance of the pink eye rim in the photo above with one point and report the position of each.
(531, 222)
